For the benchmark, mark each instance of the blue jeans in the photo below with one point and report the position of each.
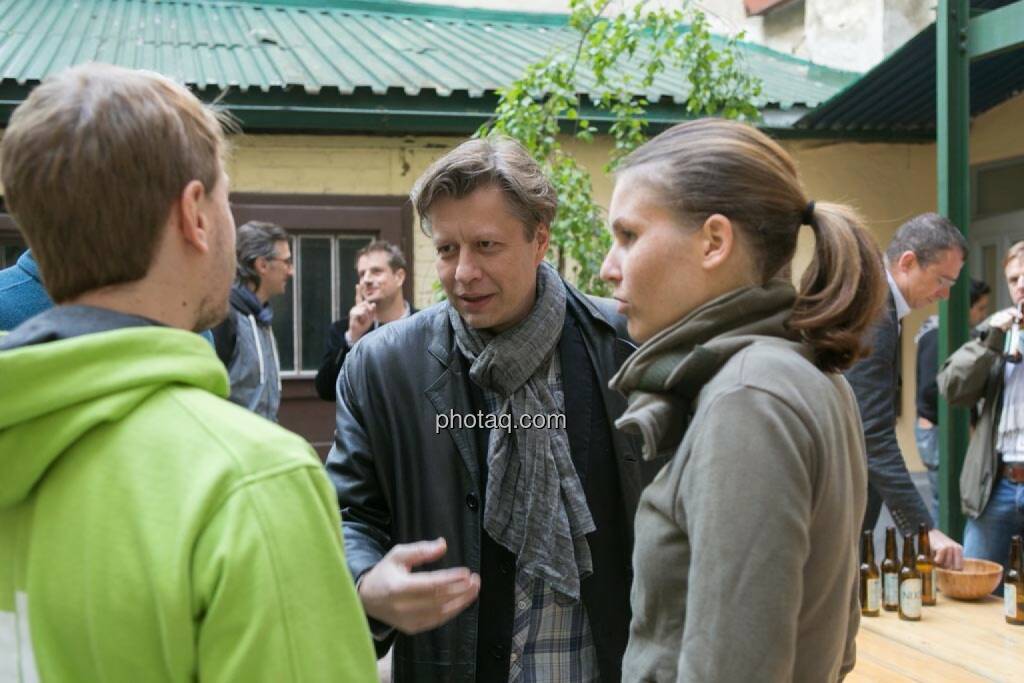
(988, 536)
(928, 449)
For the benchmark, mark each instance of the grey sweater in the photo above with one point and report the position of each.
(746, 542)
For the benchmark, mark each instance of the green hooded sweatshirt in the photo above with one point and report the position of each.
(152, 531)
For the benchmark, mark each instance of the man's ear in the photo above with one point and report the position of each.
(907, 261)
(192, 223)
(400, 274)
(718, 241)
(543, 239)
(261, 264)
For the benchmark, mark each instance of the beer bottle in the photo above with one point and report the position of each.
(890, 573)
(910, 583)
(1012, 345)
(925, 565)
(870, 583)
(1013, 585)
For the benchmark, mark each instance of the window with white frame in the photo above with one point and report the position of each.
(322, 291)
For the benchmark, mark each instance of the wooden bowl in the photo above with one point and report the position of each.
(978, 579)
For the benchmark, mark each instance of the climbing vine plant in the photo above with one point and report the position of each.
(613, 59)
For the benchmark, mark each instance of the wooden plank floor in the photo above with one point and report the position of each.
(955, 642)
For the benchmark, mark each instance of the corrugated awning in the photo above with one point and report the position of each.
(351, 63)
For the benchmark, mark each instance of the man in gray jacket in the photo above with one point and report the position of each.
(992, 479)
(245, 340)
(474, 439)
(922, 262)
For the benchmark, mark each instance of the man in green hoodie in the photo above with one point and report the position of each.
(150, 530)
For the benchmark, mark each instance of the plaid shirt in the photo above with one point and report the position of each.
(551, 637)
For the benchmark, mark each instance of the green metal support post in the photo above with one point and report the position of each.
(953, 131)
(996, 31)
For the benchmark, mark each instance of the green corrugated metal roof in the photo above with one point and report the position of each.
(898, 96)
(308, 64)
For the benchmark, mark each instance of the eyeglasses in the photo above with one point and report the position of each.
(287, 261)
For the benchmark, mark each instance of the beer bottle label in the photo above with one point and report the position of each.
(891, 587)
(874, 595)
(1010, 600)
(910, 597)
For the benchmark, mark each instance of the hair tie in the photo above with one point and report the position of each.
(808, 217)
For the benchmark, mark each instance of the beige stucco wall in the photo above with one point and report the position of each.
(353, 165)
(999, 133)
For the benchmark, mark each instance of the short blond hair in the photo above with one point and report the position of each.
(1016, 251)
(93, 161)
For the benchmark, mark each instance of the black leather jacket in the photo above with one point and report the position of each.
(398, 481)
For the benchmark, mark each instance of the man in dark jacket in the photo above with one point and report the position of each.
(922, 262)
(381, 268)
(484, 422)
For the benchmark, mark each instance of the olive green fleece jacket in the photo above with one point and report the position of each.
(746, 559)
(152, 531)
(975, 372)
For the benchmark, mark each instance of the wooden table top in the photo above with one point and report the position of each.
(954, 642)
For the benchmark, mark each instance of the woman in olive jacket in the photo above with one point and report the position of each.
(746, 558)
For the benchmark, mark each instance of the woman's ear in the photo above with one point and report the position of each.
(718, 241)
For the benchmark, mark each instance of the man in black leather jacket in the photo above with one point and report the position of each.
(407, 474)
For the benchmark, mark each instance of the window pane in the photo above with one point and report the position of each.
(999, 189)
(284, 315)
(347, 279)
(315, 284)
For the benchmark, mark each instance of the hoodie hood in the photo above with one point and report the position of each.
(53, 393)
(27, 263)
(667, 372)
(245, 301)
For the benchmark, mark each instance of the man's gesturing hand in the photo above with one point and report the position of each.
(411, 601)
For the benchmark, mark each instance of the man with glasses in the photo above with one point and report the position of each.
(922, 263)
(245, 340)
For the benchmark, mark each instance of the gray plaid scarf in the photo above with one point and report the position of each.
(534, 504)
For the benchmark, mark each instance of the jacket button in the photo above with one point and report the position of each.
(506, 568)
(472, 502)
(498, 652)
